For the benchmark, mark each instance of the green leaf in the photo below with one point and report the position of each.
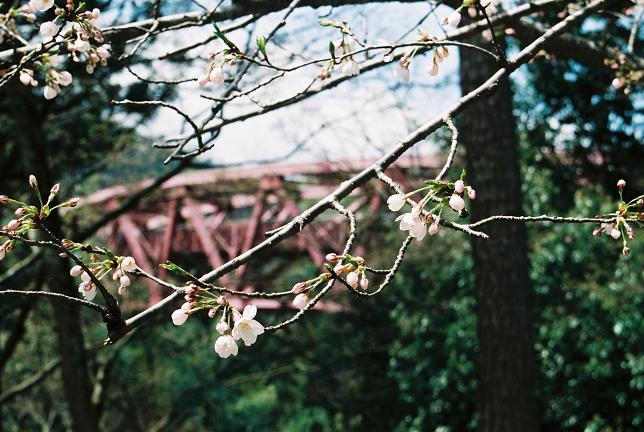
(332, 49)
(170, 266)
(261, 44)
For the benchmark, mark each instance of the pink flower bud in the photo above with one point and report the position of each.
(33, 182)
(122, 290)
(179, 316)
(73, 202)
(300, 301)
(222, 326)
(124, 281)
(48, 29)
(21, 212)
(75, 271)
(433, 229)
(117, 274)
(364, 282)
(459, 186)
(54, 189)
(618, 83)
(352, 279)
(203, 80)
(471, 193)
(396, 202)
(50, 93)
(615, 233)
(217, 75)
(299, 287)
(85, 277)
(332, 257)
(4, 199)
(456, 203)
(452, 19)
(128, 264)
(12, 225)
(433, 71)
(621, 184)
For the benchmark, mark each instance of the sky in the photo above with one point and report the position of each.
(358, 119)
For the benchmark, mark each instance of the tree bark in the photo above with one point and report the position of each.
(71, 348)
(506, 358)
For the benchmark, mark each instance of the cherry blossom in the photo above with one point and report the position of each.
(217, 75)
(246, 328)
(180, 316)
(364, 282)
(75, 271)
(301, 300)
(88, 289)
(203, 80)
(40, 5)
(452, 19)
(225, 346)
(457, 203)
(222, 326)
(48, 29)
(412, 223)
(396, 202)
(352, 279)
(128, 264)
(27, 77)
(350, 68)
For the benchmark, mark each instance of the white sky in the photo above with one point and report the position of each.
(383, 116)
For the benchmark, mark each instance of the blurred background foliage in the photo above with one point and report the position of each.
(401, 361)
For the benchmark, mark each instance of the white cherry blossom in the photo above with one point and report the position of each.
(222, 327)
(457, 203)
(246, 328)
(217, 75)
(352, 279)
(40, 5)
(396, 202)
(350, 68)
(128, 264)
(301, 300)
(48, 29)
(179, 316)
(226, 346)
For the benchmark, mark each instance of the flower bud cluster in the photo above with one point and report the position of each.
(72, 27)
(119, 267)
(631, 211)
(231, 327)
(215, 73)
(28, 216)
(445, 194)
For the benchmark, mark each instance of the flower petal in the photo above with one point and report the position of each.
(249, 312)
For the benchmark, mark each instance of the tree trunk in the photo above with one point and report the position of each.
(74, 365)
(506, 358)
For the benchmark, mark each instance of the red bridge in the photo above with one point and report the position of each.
(220, 213)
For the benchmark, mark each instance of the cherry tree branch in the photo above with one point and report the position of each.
(307, 216)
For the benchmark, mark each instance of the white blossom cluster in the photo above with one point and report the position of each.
(447, 194)
(118, 268)
(74, 30)
(232, 326)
